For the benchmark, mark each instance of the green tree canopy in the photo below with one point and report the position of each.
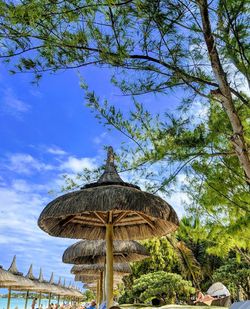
(235, 276)
(198, 48)
(166, 286)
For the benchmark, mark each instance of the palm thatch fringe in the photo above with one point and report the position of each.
(122, 268)
(23, 284)
(85, 213)
(94, 252)
(6, 278)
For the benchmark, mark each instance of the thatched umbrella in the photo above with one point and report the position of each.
(6, 278)
(95, 272)
(94, 252)
(108, 209)
(120, 268)
(62, 291)
(92, 279)
(86, 278)
(38, 285)
(23, 283)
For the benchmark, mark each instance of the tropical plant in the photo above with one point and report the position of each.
(198, 48)
(235, 275)
(169, 287)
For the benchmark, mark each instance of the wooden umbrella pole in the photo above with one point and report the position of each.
(98, 292)
(101, 287)
(49, 299)
(109, 264)
(40, 298)
(58, 299)
(26, 300)
(9, 296)
(104, 284)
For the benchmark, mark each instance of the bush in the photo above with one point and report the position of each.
(170, 288)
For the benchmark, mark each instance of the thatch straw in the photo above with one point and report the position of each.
(6, 278)
(23, 284)
(62, 290)
(90, 279)
(122, 268)
(55, 289)
(94, 252)
(86, 277)
(84, 214)
(39, 284)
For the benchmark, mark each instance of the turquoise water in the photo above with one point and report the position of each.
(19, 303)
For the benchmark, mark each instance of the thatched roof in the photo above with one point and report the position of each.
(84, 214)
(38, 285)
(94, 252)
(6, 278)
(23, 284)
(90, 279)
(62, 289)
(86, 277)
(122, 268)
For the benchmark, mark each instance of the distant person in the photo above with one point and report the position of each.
(33, 303)
(205, 299)
(92, 305)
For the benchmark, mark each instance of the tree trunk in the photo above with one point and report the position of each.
(224, 93)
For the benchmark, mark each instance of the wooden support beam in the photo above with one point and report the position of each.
(86, 222)
(26, 300)
(100, 217)
(9, 297)
(147, 220)
(120, 217)
(110, 217)
(109, 265)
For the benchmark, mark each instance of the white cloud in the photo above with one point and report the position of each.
(20, 234)
(12, 104)
(56, 151)
(76, 165)
(99, 139)
(25, 164)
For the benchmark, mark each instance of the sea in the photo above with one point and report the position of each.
(18, 303)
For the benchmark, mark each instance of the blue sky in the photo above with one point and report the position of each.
(45, 132)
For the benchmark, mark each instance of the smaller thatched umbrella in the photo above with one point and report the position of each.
(95, 269)
(86, 278)
(92, 278)
(61, 290)
(75, 293)
(6, 278)
(38, 287)
(23, 284)
(94, 252)
(121, 268)
(54, 288)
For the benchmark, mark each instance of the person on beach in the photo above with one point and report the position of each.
(205, 299)
(92, 305)
(33, 303)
